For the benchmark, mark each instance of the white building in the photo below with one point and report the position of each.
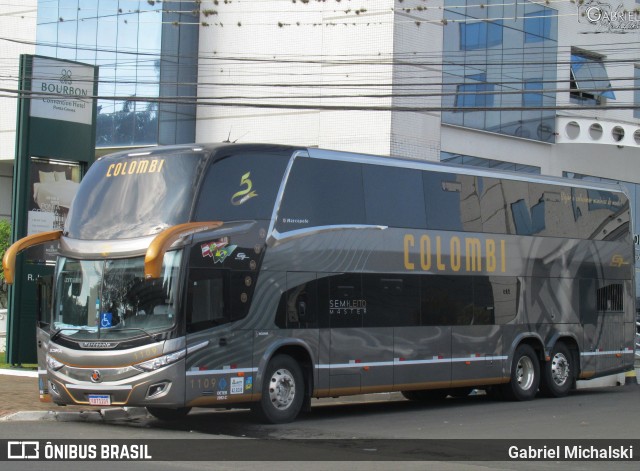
(369, 53)
(18, 26)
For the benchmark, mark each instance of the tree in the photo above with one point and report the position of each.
(5, 239)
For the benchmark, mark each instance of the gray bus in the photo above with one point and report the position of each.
(262, 276)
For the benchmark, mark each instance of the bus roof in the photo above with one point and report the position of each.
(223, 148)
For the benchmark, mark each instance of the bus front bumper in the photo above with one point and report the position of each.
(162, 387)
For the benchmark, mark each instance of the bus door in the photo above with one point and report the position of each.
(44, 298)
(219, 365)
(360, 347)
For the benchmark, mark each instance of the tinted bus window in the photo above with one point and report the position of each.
(208, 301)
(322, 193)
(457, 300)
(392, 300)
(446, 300)
(394, 196)
(298, 307)
(241, 187)
(344, 302)
(442, 201)
(215, 297)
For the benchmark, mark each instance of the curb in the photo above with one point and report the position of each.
(14, 372)
(102, 415)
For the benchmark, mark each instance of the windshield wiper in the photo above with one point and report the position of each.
(122, 329)
(57, 332)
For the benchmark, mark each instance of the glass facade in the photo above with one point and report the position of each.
(460, 159)
(636, 90)
(498, 61)
(144, 50)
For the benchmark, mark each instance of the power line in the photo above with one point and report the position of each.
(213, 101)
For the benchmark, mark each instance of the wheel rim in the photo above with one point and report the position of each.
(282, 389)
(525, 373)
(560, 369)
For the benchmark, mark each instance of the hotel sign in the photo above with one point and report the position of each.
(62, 90)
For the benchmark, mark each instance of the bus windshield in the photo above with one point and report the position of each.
(111, 299)
(123, 197)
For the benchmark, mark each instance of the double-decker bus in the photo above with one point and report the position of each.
(261, 275)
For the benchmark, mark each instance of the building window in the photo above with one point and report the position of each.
(537, 26)
(636, 91)
(533, 93)
(589, 80)
(475, 95)
(480, 35)
(136, 48)
(488, 163)
(487, 61)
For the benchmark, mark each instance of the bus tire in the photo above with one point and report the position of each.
(167, 414)
(283, 391)
(558, 373)
(525, 375)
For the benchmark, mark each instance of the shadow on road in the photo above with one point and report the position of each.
(243, 423)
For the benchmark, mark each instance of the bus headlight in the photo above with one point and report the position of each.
(53, 364)
(161, 361)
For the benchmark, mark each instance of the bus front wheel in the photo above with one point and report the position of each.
(282, 391)
(525, 375)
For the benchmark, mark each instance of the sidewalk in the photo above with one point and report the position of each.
(19, 392)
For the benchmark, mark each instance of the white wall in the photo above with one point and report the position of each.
(17, 22)
(322, 53)
(6, 190)
(418, 42)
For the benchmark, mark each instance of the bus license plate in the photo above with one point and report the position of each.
(99, 399)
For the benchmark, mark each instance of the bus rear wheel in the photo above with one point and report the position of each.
(525, 375)
(168, 415)
(558, 373)
(282, 391)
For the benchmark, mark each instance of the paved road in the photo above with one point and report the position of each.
(350, 434)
